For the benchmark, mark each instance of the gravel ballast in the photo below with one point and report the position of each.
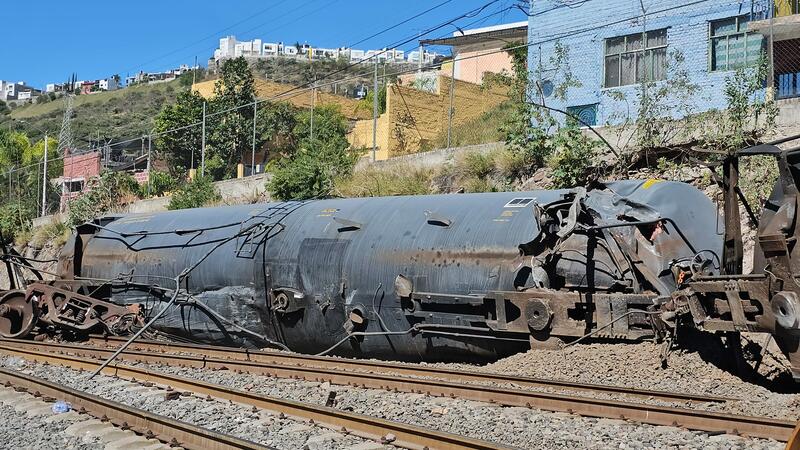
(224, 417)
(29, 423)
(519, 427)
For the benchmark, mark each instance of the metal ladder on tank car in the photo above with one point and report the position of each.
(271, 219)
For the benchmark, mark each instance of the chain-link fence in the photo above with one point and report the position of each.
(785, 48)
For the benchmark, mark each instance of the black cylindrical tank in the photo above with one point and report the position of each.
(326, 259)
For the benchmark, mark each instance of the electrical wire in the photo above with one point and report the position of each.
(630, 312)
(219, 316)
(178, 280)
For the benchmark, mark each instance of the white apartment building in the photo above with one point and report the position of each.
(108, 84)
(158, 77)
(229, 47)
(428, 57)
(10, 90)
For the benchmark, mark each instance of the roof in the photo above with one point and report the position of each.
(506, 33)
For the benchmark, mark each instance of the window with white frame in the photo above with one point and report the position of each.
(636, 57)
(732, 46)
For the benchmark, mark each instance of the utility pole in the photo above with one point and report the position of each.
(203, 145)
(44, 179)
(313, 101)
(194, 72)
(450, 112)
(375, 113)
(253, 158)
(149, 152)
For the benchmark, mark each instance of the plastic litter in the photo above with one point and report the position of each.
(61, 407)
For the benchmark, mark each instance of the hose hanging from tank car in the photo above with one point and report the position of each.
(219, 316)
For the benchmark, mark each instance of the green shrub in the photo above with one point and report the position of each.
(159, 183)
(194, 194)
(573, 157)
(106, 193)
(374, 181)
(476, 164)
(15, 218)
(300, 177)
(513, 165)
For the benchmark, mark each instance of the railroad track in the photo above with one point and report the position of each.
(370, 374)
(402, 434)
(581, 405)
(165, 429)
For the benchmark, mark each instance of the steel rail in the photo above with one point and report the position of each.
(404, 435)
(365, 369)
(694, 419)
(163, 428)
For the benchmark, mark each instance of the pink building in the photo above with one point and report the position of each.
(480, 51)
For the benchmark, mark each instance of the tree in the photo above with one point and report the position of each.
(182, 146)
(232, 125)
(534, 137)
(309, 171)
(20, 171)
(275, 127)
(4, 109)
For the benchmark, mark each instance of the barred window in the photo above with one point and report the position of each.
(636, 57)
(732, 46)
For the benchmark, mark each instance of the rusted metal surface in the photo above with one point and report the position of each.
(794, 440)
(46, 305)
(487, 275)
(638, 412)
(407, 435)
(163, 428)
(768, 300)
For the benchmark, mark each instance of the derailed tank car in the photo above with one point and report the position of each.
(441, 277)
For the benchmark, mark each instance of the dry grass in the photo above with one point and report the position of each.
(55, 233)
(376, 181)
(40, 109)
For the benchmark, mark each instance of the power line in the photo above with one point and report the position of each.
(214, 35)
(296, 92)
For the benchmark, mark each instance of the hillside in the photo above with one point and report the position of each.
(116, 115)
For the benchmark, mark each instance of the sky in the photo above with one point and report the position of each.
(53, 39)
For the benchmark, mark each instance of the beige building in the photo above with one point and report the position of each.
(480, 50)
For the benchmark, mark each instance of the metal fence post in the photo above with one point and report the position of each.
(253, 157)
(203, 145)
(375, 114)
(450, 111)
(44, 179)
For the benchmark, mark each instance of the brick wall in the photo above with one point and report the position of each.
(85, 165)
(584, 28)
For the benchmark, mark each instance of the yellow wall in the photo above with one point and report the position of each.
(415, 119)
(265, 90)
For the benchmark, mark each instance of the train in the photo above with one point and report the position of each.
(452, 277)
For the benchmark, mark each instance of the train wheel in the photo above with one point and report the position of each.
(17, 315)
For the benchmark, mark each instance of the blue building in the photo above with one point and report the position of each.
(600, 50)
